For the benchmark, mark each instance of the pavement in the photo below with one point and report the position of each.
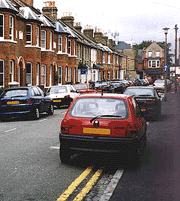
(158, 176)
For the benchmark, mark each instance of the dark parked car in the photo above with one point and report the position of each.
(24, 101)
(104, 123)
(148, 100)
(117, 87)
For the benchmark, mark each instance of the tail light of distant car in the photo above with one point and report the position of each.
(29, 101)
(150, 102)
(67, 96)
(131, 130)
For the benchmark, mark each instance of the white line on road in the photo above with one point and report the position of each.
(53, 147)
(10, 130)
(112, 185)
(42, 120)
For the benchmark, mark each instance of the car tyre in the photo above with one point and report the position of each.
(51, 110)
(65, 155)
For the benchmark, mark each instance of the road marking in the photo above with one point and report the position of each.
(88, 186)
(53, 147)
(74, 184)
(42, 120)
(10, 130)
(112, 185)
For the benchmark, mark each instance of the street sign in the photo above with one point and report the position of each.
(165, 68)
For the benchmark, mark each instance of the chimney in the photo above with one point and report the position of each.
(68, 19)
(98, 36)
(78, 27)
(111, 43)
(89, 32)
(29, 2)
(50, 10)
(105, 40)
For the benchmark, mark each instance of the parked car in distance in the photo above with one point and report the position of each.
(105, 123)
(117, 87)
(83, 88)
(62, 95)
(24, 101)
(159, 84)
(148, 100)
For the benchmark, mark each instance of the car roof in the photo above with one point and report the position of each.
(23, 87)
(141, 87)
(106, 95)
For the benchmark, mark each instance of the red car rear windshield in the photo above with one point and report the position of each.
(91, 107)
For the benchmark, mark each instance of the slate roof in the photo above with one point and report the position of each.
(122, 46)
(45, 21)
(28, 14)
(6, 4)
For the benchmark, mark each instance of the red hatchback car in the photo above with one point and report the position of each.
(97, 122)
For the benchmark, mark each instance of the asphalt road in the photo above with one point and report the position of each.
(31, 170)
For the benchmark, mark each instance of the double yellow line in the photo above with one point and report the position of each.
(76, 183)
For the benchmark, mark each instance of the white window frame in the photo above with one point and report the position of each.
(150, 54)
(59, 74)
(69, 47)
(11, 27)
(29, 74)
(11, 70)
(104, 57)
(154, 64)
(66, 74)
(43, 39)
(50, 40)
(50, 75)
(43, 75)
(60, 44)
(69, 74)
(29, 42)
(109, 58)
(2, 26)
(37, 73)
(2, 73)
(157, 53)
(37, 36)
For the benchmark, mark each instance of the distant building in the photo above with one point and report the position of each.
(153, 60)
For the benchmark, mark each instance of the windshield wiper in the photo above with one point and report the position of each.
(99, 116)
(144, 95)
(18, 96)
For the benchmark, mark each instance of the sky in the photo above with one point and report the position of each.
(133, 20)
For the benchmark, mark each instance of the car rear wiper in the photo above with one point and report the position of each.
(99, 116)
(18, 96)
(144, 95)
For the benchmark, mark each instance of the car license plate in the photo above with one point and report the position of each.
(12, 102)
(143, 110)
(96, 131)
(56, 101)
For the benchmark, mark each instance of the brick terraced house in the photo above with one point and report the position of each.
(37, 48)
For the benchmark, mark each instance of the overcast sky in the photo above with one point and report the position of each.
(134, 20)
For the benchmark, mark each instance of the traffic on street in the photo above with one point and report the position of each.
(32, 167)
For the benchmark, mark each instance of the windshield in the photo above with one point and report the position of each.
(59, 89)
(15, 93)
(139, 92)
(81, 86)
(102, 107)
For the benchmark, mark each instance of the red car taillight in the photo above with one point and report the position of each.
(29, 101)
(149, 102)
(131, 130)
(67, 96)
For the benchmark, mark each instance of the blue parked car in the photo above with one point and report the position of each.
(27, 101)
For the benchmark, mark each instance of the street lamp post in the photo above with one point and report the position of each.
(165, 62)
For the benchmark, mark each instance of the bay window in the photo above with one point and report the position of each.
(1, 26)
(29, 34)
(43, 39)
(1, 73)
(11, 27)
(29, 73)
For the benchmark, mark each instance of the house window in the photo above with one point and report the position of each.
(59, 44)
(69, 47)
(11, 73)
(69, 74)
(59, 74)
(149, 54)
(66, 75)
(1, 25)
(109, 59)
(103, 57)
(37, 35)
(1, 73)
(43, 39)
(28, 34)
(154, 63)
(50, 40)
(43, 75)
(157, 54)
(11, 27)
(108, 75)
(37, 73)
(50, 75)
(29, 73)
